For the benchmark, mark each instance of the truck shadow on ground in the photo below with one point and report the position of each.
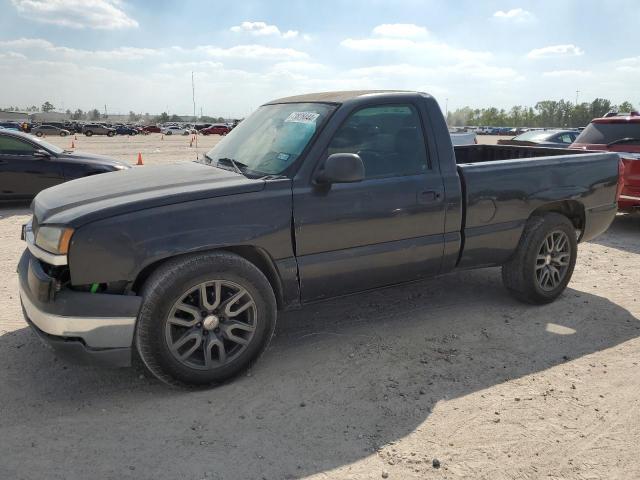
(340, 380)
(623, 234)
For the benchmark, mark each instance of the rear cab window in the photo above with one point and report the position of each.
(604, 133)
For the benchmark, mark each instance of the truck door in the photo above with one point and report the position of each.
(385, 229)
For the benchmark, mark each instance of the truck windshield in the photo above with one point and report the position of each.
(270, 139)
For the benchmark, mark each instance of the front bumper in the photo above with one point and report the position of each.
(86, 328)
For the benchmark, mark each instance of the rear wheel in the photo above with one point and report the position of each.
(110, 134)
(88, 133)
(543, 264)
(39, 134)
(204, 319)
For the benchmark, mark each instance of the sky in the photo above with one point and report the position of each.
(139, 55)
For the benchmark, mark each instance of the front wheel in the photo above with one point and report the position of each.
(88, 133)
(543, 263)
(39, 134)
(204, 319)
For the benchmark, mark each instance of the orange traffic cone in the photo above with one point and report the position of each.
(73, 145)
(191, 143)
(75, 137)
(139, 159)
(162, 137)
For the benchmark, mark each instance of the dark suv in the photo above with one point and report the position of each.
(98, 129)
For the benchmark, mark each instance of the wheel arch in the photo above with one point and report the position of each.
(572, 209)
(255, 255)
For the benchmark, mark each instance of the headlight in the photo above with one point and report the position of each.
(54, 239)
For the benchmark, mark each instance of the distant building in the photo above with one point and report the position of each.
(15, 116)
(43, 117)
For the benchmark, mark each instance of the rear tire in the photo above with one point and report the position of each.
(173, 308)
(39, 134)
(110, 134)
(543, 263)
(88, 133)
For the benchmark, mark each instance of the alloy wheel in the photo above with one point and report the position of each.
(553, 260)
(211, 324)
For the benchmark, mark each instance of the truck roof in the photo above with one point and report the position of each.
(333, 97)
(631, 118)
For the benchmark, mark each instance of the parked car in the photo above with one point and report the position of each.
(619, 134)
(151, 129)
(463, 138)
(175, 130)
(10, 126)
(216, 130)
(543, 138)
(311, 197)
(126, 130)
(44, 130)
(91, 129)
(29, 165)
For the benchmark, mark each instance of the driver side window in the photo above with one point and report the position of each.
(13, 146)
(388, 138)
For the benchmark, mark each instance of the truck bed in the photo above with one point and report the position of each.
(502, 185)
(466, 154)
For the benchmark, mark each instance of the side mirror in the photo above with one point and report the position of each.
(341, 168)
(41, 153)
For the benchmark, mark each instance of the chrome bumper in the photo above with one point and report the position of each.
(95, 332)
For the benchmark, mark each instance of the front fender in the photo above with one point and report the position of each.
(119, 248)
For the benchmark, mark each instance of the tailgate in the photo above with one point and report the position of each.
(631, 176)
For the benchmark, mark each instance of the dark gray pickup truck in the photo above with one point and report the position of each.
(309, 198)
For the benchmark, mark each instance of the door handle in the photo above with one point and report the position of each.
(429, 196)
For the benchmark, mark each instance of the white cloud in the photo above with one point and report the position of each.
(567, 73)
(261, 29)
(628, 65)
(39, 45)
(553, 51)
(253, 52)
(400, 30)
(432, 49)
(98, 14)
(517, 15)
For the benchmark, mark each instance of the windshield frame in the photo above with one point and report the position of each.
(293, 167)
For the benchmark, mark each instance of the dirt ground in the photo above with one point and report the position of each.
(370, 386)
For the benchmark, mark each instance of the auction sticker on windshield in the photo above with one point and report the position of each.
(302, 117)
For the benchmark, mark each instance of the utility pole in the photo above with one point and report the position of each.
(577, 93)
(193, 97)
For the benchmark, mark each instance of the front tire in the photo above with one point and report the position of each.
(205, 318)
(39, 134)
(88, 133)
(543, 263)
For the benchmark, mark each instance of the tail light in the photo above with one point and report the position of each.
(620, 179)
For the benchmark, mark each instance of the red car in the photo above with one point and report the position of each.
(215, 130)
(151, 129)
(619, 133)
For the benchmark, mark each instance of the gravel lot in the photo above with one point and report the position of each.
(371, 386)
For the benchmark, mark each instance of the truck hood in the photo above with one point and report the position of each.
(81, 201)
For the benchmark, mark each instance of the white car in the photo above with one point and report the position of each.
(174, 131)
(463, 138)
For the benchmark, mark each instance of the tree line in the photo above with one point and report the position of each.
(95, 114)
(547, 113)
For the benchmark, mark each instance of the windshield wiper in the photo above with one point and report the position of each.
(624, 140)
(237, 166)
